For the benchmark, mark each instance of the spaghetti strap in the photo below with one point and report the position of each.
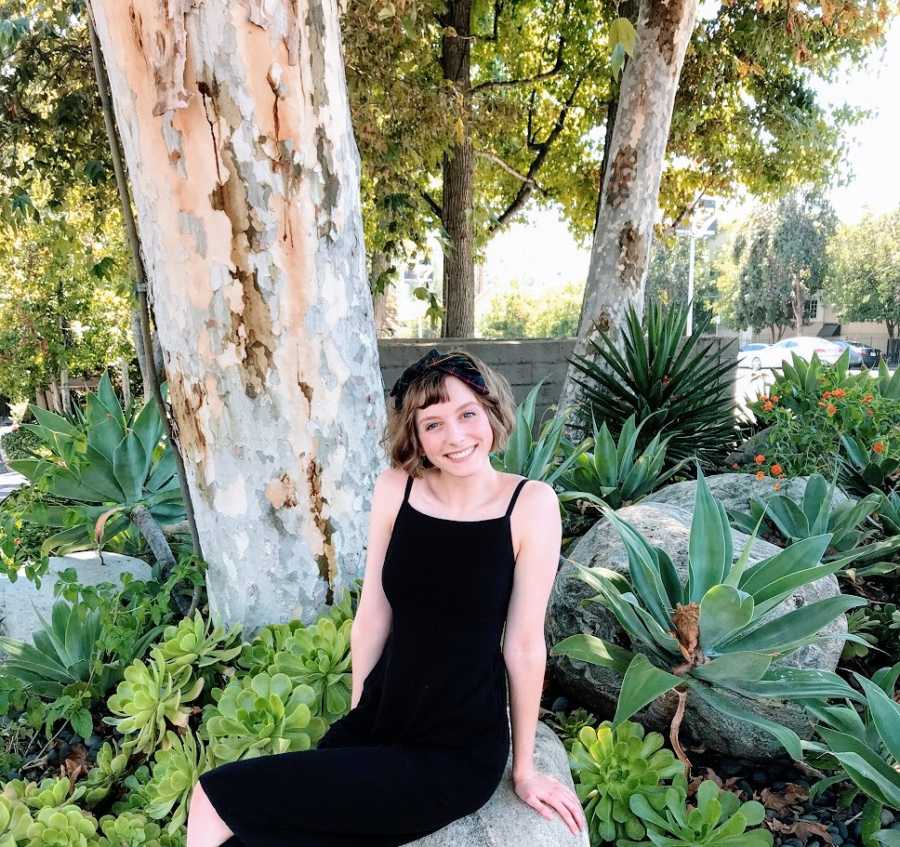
(409, 482)
(512, 501)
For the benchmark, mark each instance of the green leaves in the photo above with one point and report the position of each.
(665, 379)
(642, 684)
(710, 552)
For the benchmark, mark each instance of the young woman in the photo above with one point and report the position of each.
(450, 561)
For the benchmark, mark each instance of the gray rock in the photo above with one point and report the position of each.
(668, 526)
(734, 490)
(20, 601)
(507, 821)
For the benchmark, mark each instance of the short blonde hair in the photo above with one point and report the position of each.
(401, 441)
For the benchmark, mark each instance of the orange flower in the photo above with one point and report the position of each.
(878, 447)
(768, 406)
(775, 470)
(760, 474)
(831, 409)
(867, 398)
(777, 486)
(759, 458)
(838, 392)
(775, 398)
(826, 395)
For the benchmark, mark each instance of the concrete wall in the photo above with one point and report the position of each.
(522, 361)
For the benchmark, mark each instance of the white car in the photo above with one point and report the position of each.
(803, 345)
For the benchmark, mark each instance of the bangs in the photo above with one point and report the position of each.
(427, 391)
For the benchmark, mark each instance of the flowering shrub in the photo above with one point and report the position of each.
(807, 418)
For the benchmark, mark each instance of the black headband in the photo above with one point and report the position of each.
(450, 363)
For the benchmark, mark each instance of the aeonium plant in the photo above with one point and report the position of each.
(714, 632)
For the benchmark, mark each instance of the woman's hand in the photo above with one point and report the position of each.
(543, 793)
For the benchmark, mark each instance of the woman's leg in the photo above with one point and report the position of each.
(204, 826)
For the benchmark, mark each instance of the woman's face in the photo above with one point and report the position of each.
(456, 436)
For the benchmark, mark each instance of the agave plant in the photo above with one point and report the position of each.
(611, 764)
(718, 820)
(62, 653)
(541, 457)
(319, 656)
(888, 385)
(863, 472)
(816, 514)
(193, 642)
(889, 513)
(260, 715)
(99, 468)
(713, 632)
(176, 770)
(15, 818)
(66, 826)
(616, 474)
(150, 699)
(866, 747)
(109, 767)
(660, 371)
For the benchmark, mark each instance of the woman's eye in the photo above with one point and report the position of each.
(470, 412)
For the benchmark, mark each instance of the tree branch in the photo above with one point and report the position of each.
(435, 209)
(543, 148)
(502, 83)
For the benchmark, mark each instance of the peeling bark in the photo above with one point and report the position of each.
(236, 131)
(629, 195)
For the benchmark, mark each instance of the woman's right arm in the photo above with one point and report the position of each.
(372, 622)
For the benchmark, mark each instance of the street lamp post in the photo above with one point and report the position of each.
(703, 224)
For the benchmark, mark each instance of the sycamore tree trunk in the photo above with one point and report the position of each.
(245, 174)
(630, 190)
(458, 178)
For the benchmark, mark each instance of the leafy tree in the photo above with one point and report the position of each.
(783, 260)
(667, 275)
(863, 282)
(519, 313)
(64, 302)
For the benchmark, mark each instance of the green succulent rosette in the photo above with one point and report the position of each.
(15, 818)
(610, 765)
(132, 829)
(319, 656)
(48, 793)
(176, 770)
(108, 768)
(66, 826)
(150, 699)
(199, 643)
(260, 715)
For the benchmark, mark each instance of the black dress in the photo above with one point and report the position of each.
(429, 739)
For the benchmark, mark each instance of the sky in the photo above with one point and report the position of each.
(542, 251)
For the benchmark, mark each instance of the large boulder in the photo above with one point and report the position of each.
(21, 602)
(734, 490)
(668, 526)
(507, 821)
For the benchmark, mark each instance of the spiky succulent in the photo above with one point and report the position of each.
(610, 765)
(260, 715)
(150, 699)
(319, 656)
(66, 826)
(175, 772)
(48, 793)
(109, 767)
(199, 643)
(718, 820)
(15, 819)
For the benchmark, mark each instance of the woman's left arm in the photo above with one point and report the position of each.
(539, 529)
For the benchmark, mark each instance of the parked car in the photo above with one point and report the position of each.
(856, 359)
(747, 355)
(864, 354)
(803, 345)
